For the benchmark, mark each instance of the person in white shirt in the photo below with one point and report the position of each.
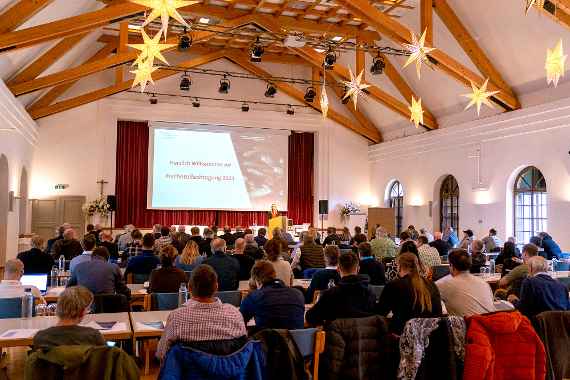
(11, 287)
(88, 247)
(463, 293)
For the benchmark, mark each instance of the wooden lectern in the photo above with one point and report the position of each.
(280, 221)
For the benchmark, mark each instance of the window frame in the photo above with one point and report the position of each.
(450, 189)
(538, 219)
(396, 200)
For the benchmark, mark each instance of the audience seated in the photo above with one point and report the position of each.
(280, 237)
(539, 291)
(36, 261)
(228, 236)
(167, 279)
(414, 234)
(252, 248)
(411, 247)
(382, 246)
(332, 238)
(512, 281)
(310, 254)
(467, 240)
(282, 267)
(410, 296)
(89, 243)
(106, 240)
(203, 318)
(69, 246)
(206, 244)
(164, 239)
(478, 258)
(510, 260)
(321, 280)
(60, 231)
(147, 261)
(245, 261)
(345, 237)
(358, 237)
(351, 298)
(273, 304)
(135, 246)
(450, 236)
(226, 267)
(370, 266)
(99, 276)
(195, 235)
(125, 238)
(73, 305)
(156, 231)
(427, 234)
(428, 255)
(10, 286)
(239, 234)
(463, 293)
(551, 248)
(492, 242)
(190, 257)
(91, 231)
(441, 245)
(260, 239)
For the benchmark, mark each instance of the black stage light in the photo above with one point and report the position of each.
(224, 85)
(184, 42)
(290, 110)
(310, 94)
(378, 65)
(257, 51)
(153, 100)
(196, 103)
(245, 107)
(271, 91)
(330, 59)
(185, 83)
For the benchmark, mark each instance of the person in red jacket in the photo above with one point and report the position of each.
(503, 346)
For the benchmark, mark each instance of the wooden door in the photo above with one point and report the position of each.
(384, 217)
(48, 214)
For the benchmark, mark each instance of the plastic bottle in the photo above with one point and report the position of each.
(27, 304)
(182, 294)
(554, 264)
(492, 266)
(53, 277)
(61, 263)
(331, 283)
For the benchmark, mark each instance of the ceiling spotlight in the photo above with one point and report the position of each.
(310, 94)
(330, 59)
(196, 103)
(185, 82)
(271, 91)
(256, 51)
(204, 20)
(224, 85)
(245, 107)
(184, 42)
(378, 65)
(290, 110)
(153, 100)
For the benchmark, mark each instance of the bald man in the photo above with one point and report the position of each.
(227, 267)
(69, 247)
(11, 287)
(441, 245)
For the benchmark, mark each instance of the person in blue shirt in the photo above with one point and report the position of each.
(551, 248)
(146, 261)
(88, 244)
(273, 304)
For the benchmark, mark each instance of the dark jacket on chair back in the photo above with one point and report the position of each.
(553, 328)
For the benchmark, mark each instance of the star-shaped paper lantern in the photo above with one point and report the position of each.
(555, 64)
(416, 112)
(164, 9)
(536, 3)
(480, 96)
(418, 52)
(150, 49)
(143, 74)
(324, 101)
(354, 87)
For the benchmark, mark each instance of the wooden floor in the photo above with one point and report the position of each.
(17, 356)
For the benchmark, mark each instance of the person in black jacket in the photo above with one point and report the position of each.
(351, 298)
(245, 261)
(35, 260)
(441, 245)
(322, 278)
(410, 296)
(228, 236)
(226, 267)
(370, 266)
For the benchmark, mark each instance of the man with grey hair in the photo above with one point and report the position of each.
(539, 291)
(382, 246)
(227, 268)
(36, 260)
(125, 238)
(11, 287)
(251, 248)
(60, 230)
(69, 247)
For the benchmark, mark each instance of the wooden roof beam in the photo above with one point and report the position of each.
(19, 13)
(426, 20)
(400, 34)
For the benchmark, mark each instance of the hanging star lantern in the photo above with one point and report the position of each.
(164, 9)
(536, 3)
(354, 87)
(143, 74)
(324, 100)
(150, 49)
(416, 112)
(418, 52)
(480, 96)
(555, 64)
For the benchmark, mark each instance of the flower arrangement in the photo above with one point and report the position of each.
(98, 206)
(349, 208)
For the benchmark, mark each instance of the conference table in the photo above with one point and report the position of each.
(138, 293)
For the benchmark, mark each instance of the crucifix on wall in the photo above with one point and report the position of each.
(102, 183)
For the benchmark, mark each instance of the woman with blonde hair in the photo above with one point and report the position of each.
(190, 257)
(409, 296)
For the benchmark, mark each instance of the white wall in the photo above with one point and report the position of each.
(538, 136)
(77, 147)
(18, 136)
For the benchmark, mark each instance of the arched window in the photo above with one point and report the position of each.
(397, 203)
(529, 204)
(449, 203)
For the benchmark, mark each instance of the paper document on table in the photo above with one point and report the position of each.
(159, 325)
(107, 326)
(19, 334)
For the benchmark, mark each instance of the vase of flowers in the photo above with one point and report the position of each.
(349, 208)
(97, 210)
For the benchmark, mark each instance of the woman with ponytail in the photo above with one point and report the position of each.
(409, 296)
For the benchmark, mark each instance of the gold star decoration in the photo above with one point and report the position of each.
(536, 3)
(324, 101)
(418, 52)
(143, 74)
(555, 64)
(416, 112)
(164, 9)
(354, 87)
(480, 96)
(150, 49)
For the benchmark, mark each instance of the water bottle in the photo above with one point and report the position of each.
(27, 303)
(331, 283)
(554, 264)
(182, 294)
(61, 263)
(492, 266)
(53, 277)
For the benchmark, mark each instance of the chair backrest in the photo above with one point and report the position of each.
(376, 290)
(309, 273)
(110, 303)
(311, 343)
(439, 271)
(164, 301)
(10, 307)
(232, 297)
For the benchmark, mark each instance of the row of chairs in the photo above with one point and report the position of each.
(169, 301)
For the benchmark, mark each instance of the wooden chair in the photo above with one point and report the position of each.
(311, 343)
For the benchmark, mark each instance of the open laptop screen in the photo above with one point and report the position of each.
(40, 281)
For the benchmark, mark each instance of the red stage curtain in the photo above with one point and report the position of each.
(132, 177)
